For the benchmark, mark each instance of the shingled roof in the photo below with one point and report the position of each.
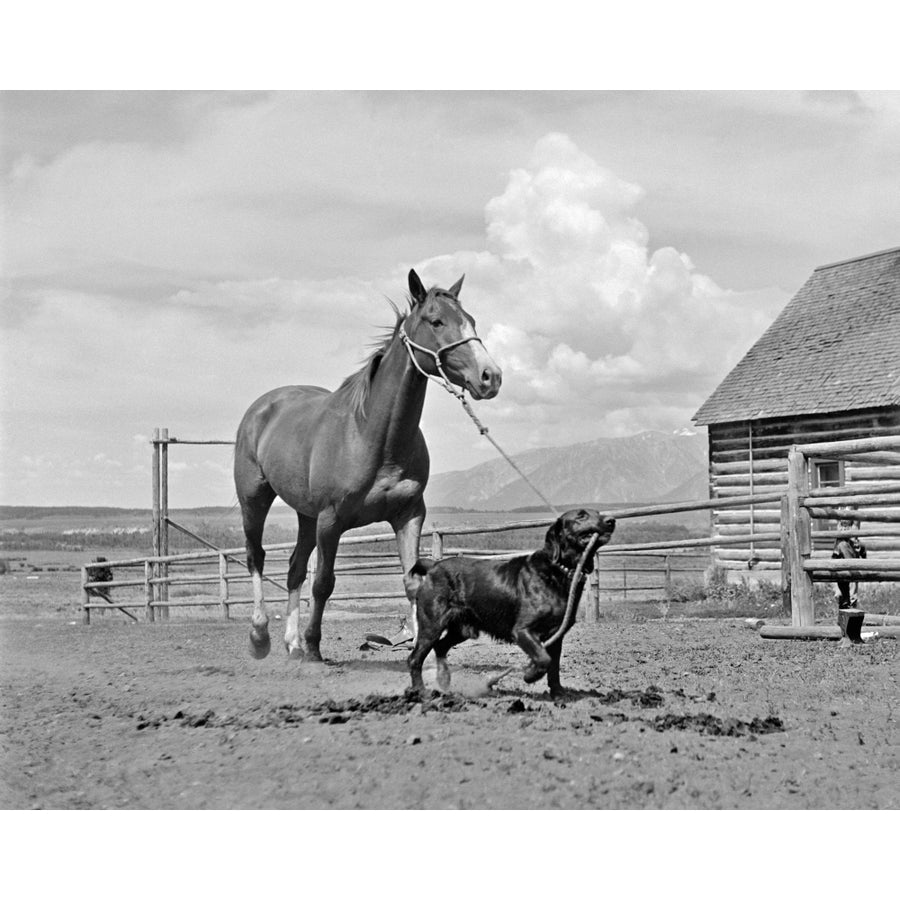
(834, 347)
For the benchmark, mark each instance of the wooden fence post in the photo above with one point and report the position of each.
(668, 584)
(593, 604)
(156, 522)
(223, 584)
(785, 557)
(85, 596)
(437, 545)
(799, 540)
(164, 518)
(148, 590)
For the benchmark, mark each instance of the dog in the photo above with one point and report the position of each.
(520, 600)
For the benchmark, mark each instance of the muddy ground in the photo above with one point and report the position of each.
(684, 714)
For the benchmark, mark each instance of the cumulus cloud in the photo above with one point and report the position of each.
(598, 334)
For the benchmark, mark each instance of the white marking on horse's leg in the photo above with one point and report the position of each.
(292, 639)
(413, 620)
(259, 620)
(260, 616)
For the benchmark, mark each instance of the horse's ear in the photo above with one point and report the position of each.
(416, 288)
(455, 289)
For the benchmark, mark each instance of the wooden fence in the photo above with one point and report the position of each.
(804, 559)
(649, 567)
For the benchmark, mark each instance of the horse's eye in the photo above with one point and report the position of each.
(437, 323)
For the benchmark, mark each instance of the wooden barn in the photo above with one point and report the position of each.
(827, 369)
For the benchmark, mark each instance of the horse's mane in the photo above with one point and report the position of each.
(356, 387)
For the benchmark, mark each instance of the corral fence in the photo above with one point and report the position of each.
(808, 515)
(645, 570)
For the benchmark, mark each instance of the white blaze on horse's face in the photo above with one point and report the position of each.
(446, 329)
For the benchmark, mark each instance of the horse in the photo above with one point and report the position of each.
(347, 458)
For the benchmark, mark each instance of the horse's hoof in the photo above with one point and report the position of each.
(293, 652)
(260, 645)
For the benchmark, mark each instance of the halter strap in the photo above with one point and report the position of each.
(441, 378)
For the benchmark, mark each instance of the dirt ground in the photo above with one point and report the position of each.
(682, 714)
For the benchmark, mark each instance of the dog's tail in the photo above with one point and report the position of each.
(420, 569)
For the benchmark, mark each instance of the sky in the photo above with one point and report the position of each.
(168, 256)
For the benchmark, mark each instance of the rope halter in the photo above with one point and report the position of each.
(441, 378)
(460, 395)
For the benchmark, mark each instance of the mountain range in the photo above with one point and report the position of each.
(648, 467)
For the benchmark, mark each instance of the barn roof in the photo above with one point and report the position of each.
(834, 347)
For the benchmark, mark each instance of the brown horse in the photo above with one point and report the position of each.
(354, 456)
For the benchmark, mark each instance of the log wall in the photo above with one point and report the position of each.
(751, 457)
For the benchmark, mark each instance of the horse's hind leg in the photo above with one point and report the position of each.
(328, 536)
(306, 543)
(254, 509)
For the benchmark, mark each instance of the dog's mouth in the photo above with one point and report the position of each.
(602, 537)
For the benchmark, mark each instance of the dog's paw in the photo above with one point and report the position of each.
(533, 672)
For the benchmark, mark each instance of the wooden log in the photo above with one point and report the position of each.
(148, 591)
(85, 596)
(860, 515)
(156, 524)
(880, 619)
(785, 564)
(800, 544)
(762, 567)
(852, 565)
(873, 498)
(755, 537)
(857, 576)
(885, 459)
(858, 473)
(848, 490)
(744, 480)
(837, 449)
(742, 467)
(742, 517)
(223, 584)
(819, 632)
(163, 596)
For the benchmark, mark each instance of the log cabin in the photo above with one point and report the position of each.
(828, 368)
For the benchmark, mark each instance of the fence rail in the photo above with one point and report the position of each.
(764, 532)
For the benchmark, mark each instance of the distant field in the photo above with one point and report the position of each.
(82, 530)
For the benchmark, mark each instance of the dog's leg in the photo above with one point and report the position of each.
(540, 658)
(441, 648)
(555, 652)
(427, 636)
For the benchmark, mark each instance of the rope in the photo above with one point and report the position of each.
(448, 386)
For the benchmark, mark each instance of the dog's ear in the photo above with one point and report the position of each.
(553, 543)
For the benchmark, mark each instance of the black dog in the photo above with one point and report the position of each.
(521, 600)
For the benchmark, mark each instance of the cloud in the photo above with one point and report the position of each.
(597, 333)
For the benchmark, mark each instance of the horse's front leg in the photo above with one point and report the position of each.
(328, 535)
(408, 531)
(306, 542)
